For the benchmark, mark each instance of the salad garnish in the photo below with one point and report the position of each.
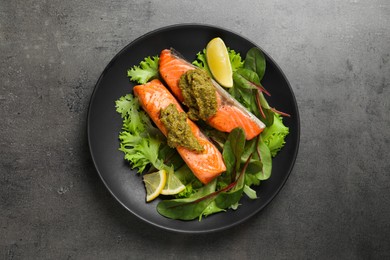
(248, 162)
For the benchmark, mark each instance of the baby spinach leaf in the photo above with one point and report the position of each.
(266, 159)
(249, 75)
(248, 98)
(255, 61)
(229, 158)
(244, 80)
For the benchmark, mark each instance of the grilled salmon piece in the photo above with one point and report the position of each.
(230, 113)
(206, 165)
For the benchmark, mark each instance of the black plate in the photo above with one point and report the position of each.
(104, 125)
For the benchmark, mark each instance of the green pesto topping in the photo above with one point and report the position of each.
(179, 132)
(199, 94)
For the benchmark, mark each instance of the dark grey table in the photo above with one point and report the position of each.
(336, 203)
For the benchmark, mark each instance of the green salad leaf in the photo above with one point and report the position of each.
(139, 139)
(188, 208)
(234, 57)
(255, 61)
(201, 61)
(248, 162)
(147, 70)
(208, 199)
(274, 136)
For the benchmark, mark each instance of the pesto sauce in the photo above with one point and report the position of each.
(199, 94)
(179, 132)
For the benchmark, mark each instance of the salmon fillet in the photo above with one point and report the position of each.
(206, 165)
(230, 113)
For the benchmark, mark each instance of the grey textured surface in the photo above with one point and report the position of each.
(336, 203)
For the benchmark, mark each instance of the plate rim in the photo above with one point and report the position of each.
(208, 26)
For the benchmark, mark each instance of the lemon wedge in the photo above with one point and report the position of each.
(219, 63)
(173, 184)
(154, 184)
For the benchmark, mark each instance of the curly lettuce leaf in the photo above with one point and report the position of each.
(147, 70)
(274, 135)
(235, 60)
(139, 139)
(201, 61)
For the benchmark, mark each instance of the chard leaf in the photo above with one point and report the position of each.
(267, 117)
(231, 197)
(212, 208)
(263, 101)
(232, 151)
(264, 112)
(237, 142)
(229, 158)
(188, 208)
(255, 61)
(250, 147)
(226, 199)
(184, 209)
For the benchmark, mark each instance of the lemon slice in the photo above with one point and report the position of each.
(154, 184)
(219, 63)
(173, 185)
